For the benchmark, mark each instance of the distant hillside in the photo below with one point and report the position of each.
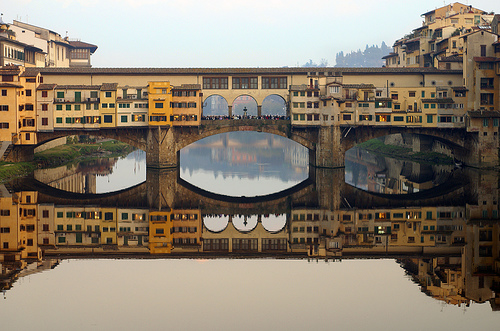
(370, 57)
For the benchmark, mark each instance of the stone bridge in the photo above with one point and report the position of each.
(326, 144)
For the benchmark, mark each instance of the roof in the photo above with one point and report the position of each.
(78, 87)
(187, 87)
(9, 70)
(453, 58)
(370, 86)
(10, 85)
(485, 59)
(109, 86)
(460, 88)
(46, 86)
(390, 55)
(230, 71)
(81, 44)
(483, 113)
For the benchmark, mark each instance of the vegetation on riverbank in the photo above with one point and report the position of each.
(9, 170)
(64, 154)
(377, 146)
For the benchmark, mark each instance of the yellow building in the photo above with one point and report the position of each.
(186, 105)
(108, 105)
(10, 88)
(160, 98)
(160, 236)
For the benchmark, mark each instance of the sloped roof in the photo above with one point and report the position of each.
(81, 44)
(109, 86)
(46, 86)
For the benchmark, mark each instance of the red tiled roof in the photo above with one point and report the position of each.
(485, 59)
(335, 71)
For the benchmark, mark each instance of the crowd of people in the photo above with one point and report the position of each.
(240, 117)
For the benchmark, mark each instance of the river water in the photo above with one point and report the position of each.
(244, 235)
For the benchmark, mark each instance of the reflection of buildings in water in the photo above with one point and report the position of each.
(374, 173)
(452, 251)
(77, 178)
(255, 154)
(297, 155)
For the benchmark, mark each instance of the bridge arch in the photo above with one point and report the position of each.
(274, 104)
(215, 105)
(242, 102)
(277, 127)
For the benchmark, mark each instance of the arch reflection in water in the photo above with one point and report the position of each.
(97, 175)
(216, 223)
(448, 241)
(244, 164)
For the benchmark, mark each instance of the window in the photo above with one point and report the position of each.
(60, 95)
(68, 107)
(429, 118)
(486, 65)
(483, 50)
(77, 107)
(28, 93)
(45, 121)
(4, 93)
(124, 118)
(108, 119)
(245, 82)
(487, 83)
(215, 82)
(108, 216)
(108, 94)
(346, 117)
(274, 82)
(158, 105)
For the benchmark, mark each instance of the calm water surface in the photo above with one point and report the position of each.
(382, 244)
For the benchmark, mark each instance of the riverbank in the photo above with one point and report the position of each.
(397, 152)
(62, 155)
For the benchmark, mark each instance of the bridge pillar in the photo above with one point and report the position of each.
(161, 148)
(162, 186)
(330, 149)
(259, 110)
(328, 198)
(230, 111)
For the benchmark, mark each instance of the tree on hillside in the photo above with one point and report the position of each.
(370, 57)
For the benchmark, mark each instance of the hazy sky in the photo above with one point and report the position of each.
(225, 33)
